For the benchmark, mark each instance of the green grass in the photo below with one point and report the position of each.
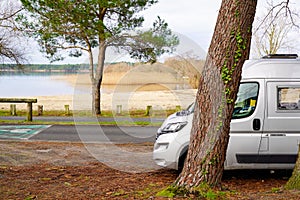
(120, 123)
(61, 113)
(203, 191)
(86, 113)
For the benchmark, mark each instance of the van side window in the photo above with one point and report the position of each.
(288, 98)
(246, 100)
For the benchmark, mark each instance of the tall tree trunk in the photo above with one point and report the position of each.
(97, 79)
(216, 95)
(96, 90)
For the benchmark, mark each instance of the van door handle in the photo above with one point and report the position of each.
(256, 124)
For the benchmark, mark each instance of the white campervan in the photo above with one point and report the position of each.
(265, 125)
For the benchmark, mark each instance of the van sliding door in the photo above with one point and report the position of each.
(282, 122)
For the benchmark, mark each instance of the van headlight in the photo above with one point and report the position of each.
(170, 128)
(173, 127)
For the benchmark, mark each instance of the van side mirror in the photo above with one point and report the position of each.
(256, 124)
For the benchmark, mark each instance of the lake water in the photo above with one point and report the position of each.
(33, 85)
(46, 84)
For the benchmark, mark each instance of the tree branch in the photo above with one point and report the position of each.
(7, 17)
(284, 5)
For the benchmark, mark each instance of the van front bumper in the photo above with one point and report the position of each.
(163, 163)
(164, 153)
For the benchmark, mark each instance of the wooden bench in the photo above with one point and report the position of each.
(21, 100)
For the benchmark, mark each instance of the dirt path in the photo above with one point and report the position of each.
(44, 170)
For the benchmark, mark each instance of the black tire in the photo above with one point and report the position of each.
(181, 161)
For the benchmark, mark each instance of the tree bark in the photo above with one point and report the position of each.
(216, 94)
(294, 181)
(97, 79)
(97, 98)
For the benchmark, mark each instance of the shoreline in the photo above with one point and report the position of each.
(137, 100)
(133, 90)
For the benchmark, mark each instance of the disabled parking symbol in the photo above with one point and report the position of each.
(21, 131)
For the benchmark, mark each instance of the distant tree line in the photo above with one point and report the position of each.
(46, 67)
(55, 67)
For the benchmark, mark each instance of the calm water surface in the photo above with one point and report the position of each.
(45, 84)
(33, 85)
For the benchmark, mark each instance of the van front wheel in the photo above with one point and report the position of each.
(181, 161)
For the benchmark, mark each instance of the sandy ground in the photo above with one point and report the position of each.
(135, 96)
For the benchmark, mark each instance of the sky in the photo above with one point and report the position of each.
(192, 19)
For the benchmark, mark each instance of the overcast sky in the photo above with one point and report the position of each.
(194, 19)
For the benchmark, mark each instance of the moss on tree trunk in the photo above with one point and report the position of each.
(294, 181)
(217, 91)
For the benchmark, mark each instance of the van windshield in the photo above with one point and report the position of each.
(191, 108)
(246, 100)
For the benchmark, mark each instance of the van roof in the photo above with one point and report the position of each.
(285, 66)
